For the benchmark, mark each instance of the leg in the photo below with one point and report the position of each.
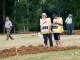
(8, 33)
(55, 37)
(60, 43)
(11, 37)
(50, 39)
(68, 29)
(57, 43)
(45, 39)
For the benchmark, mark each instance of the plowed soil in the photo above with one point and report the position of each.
(33, 50)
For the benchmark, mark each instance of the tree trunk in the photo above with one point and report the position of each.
(15, 17)
(58, 7)
(18, 0)
(27, 15)
(27, 25)
(3, 15)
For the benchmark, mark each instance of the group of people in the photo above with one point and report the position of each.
(47, 28)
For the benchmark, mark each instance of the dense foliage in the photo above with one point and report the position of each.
(25, 14)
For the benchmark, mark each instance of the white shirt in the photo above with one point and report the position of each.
(8, 24)
(68, 20)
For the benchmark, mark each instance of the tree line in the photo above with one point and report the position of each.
(25, 14)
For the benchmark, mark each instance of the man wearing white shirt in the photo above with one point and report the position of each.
(68, 22)
(8, 26)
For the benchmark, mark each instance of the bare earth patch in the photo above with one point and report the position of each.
(33, 50)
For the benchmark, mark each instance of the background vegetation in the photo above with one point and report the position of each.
(25, 14)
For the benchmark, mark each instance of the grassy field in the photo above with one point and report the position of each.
(33, 39)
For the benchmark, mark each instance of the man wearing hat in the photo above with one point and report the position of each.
(45, 27)
(57, 29)
(68, 22)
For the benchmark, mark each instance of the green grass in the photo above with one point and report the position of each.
(60, 55)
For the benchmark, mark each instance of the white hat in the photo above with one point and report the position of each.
(44, 14)
(70, 14)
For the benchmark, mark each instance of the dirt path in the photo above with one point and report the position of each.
(33, 50)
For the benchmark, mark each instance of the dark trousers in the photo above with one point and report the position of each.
(46, 37)
(69, 29)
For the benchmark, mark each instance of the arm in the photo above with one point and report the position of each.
(49, 29)
(40, 30)
(10, 25)
(66, 21)
(5, 24)
(60, 23)
(40, 27)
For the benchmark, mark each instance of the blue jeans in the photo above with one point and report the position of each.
(69, 29)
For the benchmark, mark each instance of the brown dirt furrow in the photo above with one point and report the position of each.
(33, 50)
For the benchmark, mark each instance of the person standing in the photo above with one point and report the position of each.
(8, 26)
(68, 22)
(45, 27)
(57, 29)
